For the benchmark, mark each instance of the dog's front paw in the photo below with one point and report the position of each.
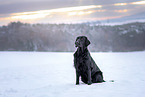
(77, 83)
(89, 83)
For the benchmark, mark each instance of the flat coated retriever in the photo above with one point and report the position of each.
(85, 66)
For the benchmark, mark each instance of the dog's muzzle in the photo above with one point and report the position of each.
(76, 44)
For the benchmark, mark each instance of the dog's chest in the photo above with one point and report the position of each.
(82, 63)
(82, 58)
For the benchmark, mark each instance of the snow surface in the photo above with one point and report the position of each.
(47, 74)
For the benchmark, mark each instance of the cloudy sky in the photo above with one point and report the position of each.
(67, 11)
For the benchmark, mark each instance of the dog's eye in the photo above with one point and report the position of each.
(81, 38)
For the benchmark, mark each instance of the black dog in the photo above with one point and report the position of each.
(84, 64)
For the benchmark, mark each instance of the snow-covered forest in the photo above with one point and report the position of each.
(18, 36)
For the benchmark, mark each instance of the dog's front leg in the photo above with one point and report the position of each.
(89, 77)
(77, 78)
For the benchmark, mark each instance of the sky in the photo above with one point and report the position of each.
(67, 11)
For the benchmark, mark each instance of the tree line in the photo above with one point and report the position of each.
(17, 36)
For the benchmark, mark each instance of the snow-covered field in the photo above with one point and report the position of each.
(45, 74)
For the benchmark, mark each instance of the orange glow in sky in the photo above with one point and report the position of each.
(125, 10)
(43, 13)
(138, 3)
(120, 4)
(83, 12)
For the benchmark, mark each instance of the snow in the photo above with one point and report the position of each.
(47, 74)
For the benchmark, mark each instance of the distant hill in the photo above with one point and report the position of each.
(139, 17)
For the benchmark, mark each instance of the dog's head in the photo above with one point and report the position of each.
(82, 41)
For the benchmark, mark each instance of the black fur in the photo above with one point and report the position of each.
(85, 66)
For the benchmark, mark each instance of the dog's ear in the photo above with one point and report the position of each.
(87, 42)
